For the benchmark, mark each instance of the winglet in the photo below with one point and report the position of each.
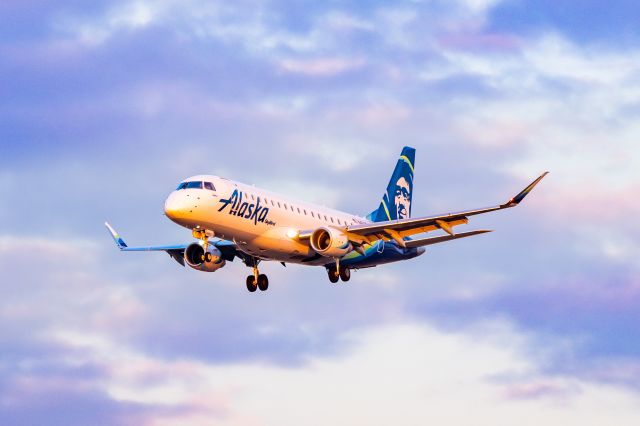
(119, 241)
(518, 198)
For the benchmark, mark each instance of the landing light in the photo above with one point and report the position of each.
(292, 233)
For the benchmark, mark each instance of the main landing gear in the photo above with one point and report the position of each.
(261, 283)
(257, 280)
(337, 273)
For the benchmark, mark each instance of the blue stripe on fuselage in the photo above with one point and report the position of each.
(379, 256)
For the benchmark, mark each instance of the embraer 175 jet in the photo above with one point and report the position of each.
(232, 220)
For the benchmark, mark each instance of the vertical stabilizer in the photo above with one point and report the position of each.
(396, 202)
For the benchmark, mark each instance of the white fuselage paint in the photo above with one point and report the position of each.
(268, 235)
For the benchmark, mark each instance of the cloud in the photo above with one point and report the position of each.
(111, 104)
(404, 373)
(592, 22)
(137, 351)
(128, 16)
(320, 67)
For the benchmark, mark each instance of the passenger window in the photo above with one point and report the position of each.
(312, 215)
(279, 206)
(305, 212)
(298, 210)
(325, 218)
(209, 186)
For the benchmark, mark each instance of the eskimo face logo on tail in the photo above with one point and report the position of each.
(402, 198)
(246, 210)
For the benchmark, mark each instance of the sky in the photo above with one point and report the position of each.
(105, 106)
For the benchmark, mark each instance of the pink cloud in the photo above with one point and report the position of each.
(538, 390)
(321, 67)
(590, 201)
(489, 41)
(381, 115)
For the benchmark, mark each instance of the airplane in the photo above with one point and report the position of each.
(232, 220)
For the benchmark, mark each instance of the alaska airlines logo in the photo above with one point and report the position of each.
(246, 210)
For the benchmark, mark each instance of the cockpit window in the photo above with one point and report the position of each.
(209, 186)
(189, 185)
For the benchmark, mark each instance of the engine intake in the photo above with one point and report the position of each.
(193, 256)
(330, 242)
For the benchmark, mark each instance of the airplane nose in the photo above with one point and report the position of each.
(175, 206)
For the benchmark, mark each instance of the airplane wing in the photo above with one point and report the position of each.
(397, 230)
(227, 248)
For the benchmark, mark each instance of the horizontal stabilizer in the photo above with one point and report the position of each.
(435, 240)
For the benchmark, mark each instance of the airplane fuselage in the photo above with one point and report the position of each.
(263, 224)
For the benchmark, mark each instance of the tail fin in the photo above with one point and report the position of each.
(396, 202)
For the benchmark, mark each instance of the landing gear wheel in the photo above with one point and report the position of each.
(345, 274)
(208, 257)
(251, 283)
(263, 283)
(334, 276)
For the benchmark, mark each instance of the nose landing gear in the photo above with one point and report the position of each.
(257, 280)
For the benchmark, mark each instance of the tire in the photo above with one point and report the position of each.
(251, 284)
(334, 277)
(263, 283)
(345, 274)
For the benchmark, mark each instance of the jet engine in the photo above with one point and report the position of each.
(195, 253)
(330, 242)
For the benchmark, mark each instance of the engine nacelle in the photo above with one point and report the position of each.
(193, 257)
(330, 242)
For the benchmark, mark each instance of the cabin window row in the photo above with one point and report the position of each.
(301, 211)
